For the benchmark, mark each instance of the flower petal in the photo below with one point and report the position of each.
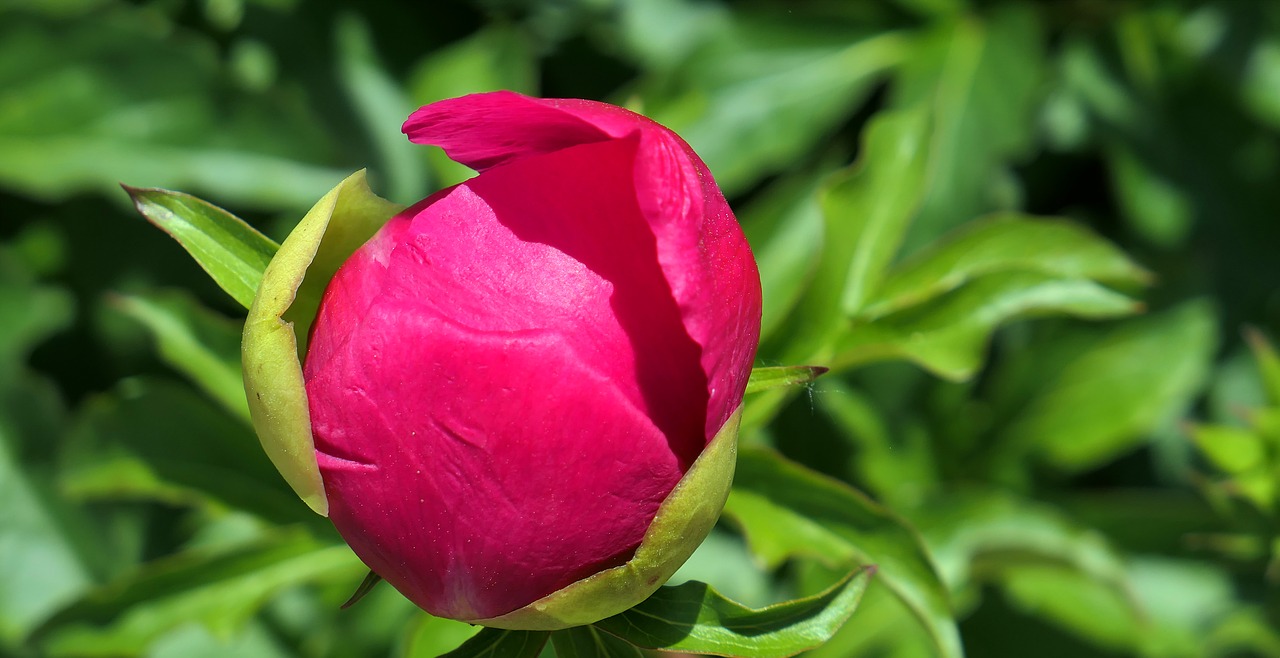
(703, 254)
(525, 308)
(486, 130)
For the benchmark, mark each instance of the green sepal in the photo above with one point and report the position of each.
(684, 519)
(292, 284)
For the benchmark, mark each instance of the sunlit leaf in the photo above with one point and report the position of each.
(1004, 243)
(1231, 449)
(976, 534)
(784, 226)
(201, 344)
(765, 88)
(763, 379)
(786, 510)
(1268, 361)
(693, 617)
(949, 336)
(1115, 381)
(979, 75)
(865, 213)
(429, 637)
(220, 589)
(229, 250)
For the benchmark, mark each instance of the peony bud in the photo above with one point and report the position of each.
(523, 390)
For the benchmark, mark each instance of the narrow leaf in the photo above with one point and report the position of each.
(499, 643)
(370, 581)
(949, 336)
(1005, 243)
(786, 510)
(221, 589)
(197, 342)
(763, 379)
(381, 105)
(232, 252)
(1268, 363)
(768, 91)
(979, 77)
(159, 439)
(866, 211)
(695, 618)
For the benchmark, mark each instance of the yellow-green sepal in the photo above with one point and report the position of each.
(683, 521)
(275, 330)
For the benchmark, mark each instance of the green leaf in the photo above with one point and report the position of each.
(1004, 243)
(220, 589)
(123, 447)
(499, 643)
(1158, 209)
(1235, 450)
(1116, 390)
(949, 336)
(229, 250)
(693, 617)
(1167, 610)
(895, 465)
(766, 88)
(787, 511)
(590, 642)
(256, 640)
(32, 313)
(429, 637)
(197, 342)
(784, 227)
(40, 568)
(381, 105)
(763, 379)
(976, 534)
(1071, 600)
(132, 96)
(865, 212)
(980, 76)
(1268, 363)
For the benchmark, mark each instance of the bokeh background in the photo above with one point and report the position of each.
(1091, 476)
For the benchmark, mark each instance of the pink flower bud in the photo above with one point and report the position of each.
(511, 377)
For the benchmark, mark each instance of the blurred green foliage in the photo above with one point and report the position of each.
(1028, 237)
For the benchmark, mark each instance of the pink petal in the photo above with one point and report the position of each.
(703, 254)
(542, 370)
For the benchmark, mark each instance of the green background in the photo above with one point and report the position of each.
(1037, 240)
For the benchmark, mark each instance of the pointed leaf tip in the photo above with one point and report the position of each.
(227, 248)
(764, 379)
